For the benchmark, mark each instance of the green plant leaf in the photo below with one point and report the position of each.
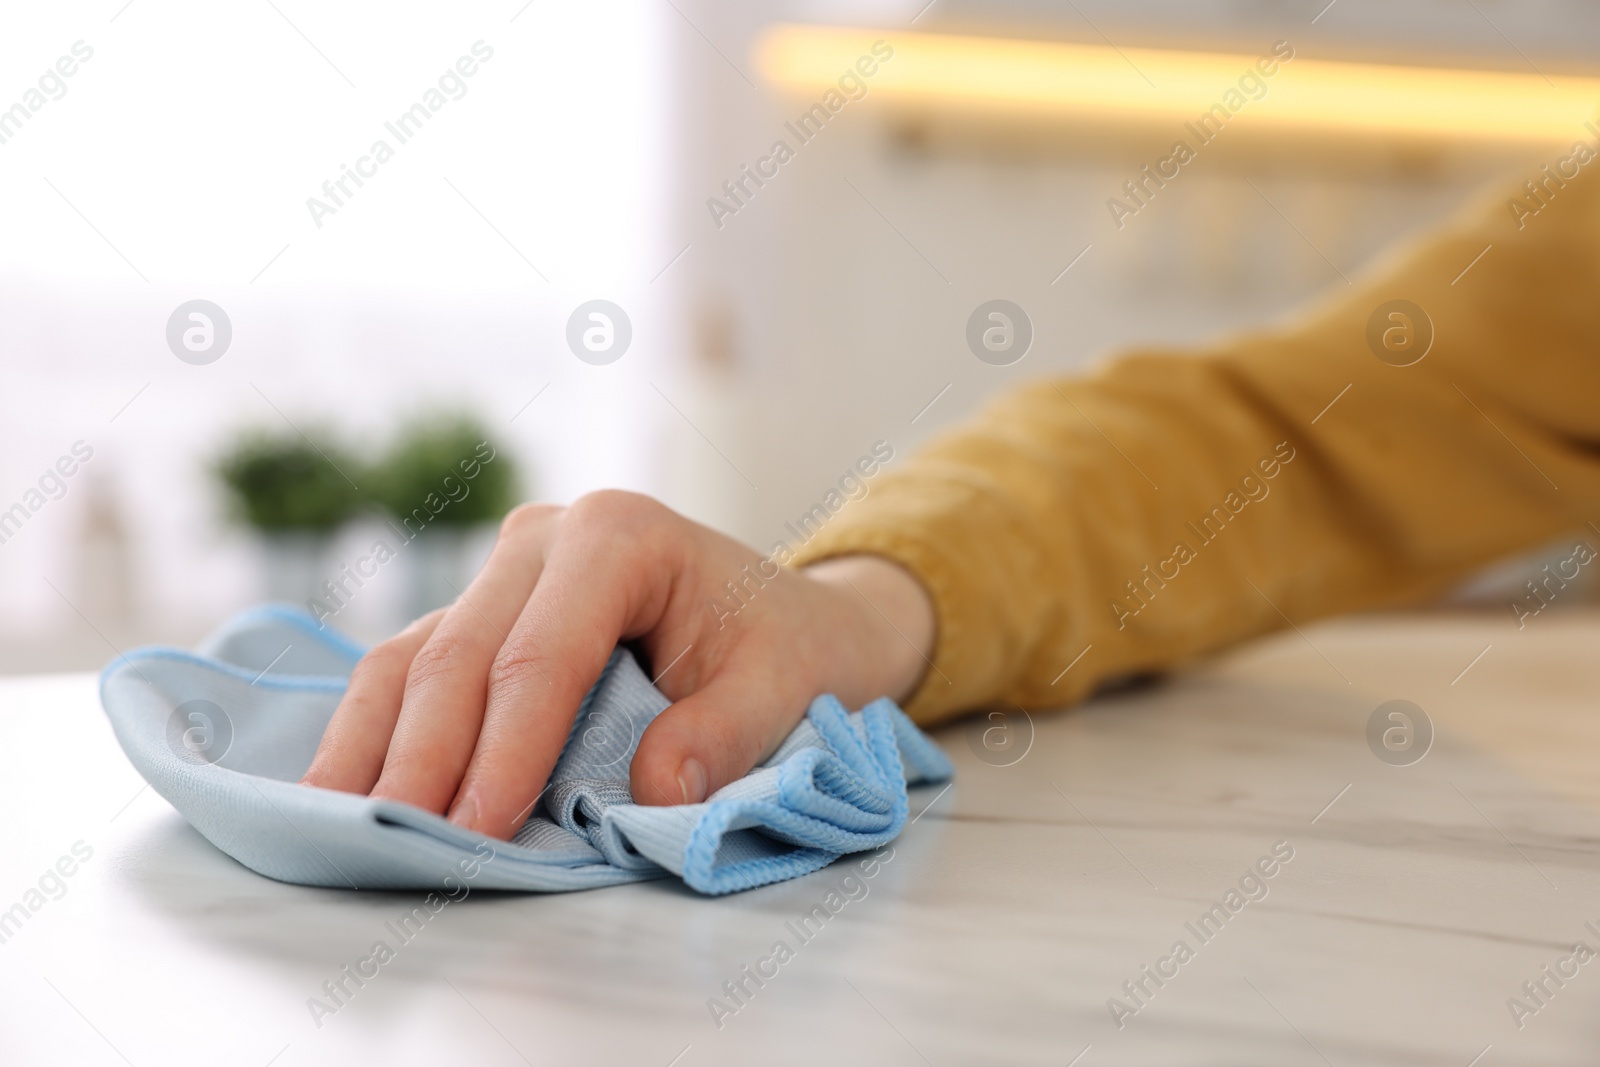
(283, 482)
(448, 459)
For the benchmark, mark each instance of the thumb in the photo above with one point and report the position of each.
(710, 738)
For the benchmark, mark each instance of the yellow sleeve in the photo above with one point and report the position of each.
(1173, 503)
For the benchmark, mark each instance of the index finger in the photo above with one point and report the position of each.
(599, 582)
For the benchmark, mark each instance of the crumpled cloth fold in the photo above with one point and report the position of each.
(225, 733)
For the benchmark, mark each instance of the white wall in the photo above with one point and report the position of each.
(768, 353)
(178, 165)
(851, 275)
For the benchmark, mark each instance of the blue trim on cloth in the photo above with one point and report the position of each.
(225, 734)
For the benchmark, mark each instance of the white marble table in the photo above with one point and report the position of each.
(1415, 905)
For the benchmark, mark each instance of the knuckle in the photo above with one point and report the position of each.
(526, 518)
(381, 659)
(434, 660)
(617, 508)
(516, 668)
(512, 668)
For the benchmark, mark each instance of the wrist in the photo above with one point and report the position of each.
(894, 615)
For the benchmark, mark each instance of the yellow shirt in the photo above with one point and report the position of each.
(1173, 503)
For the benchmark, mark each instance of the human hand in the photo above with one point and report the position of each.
(466, 711)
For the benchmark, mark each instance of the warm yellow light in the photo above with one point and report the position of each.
(1049, 78)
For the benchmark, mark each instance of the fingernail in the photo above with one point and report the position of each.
(465, 813)
(692, 781)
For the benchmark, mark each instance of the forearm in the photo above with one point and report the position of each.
(1175, 502)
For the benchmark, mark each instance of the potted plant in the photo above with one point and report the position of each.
(442, 482)
(295, 496)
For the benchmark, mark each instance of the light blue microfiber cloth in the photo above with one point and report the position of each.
(225, 733)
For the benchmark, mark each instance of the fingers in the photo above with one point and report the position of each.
(353, 747)
(467, 711)
(442, 708)
(711, 738)
(603, 579)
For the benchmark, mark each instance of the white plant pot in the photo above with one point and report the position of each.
(295, 563)
(441, 563)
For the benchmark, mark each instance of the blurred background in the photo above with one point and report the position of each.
(397, 360)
